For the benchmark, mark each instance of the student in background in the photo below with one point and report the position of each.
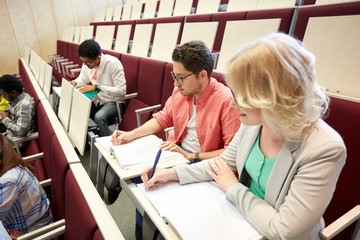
(24, 206)
(204, 124)
(19, 118)
(287, 157)
(105, 74)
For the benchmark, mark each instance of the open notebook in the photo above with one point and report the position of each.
(139, 152)
(200, 211)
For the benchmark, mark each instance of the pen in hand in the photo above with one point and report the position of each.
(155, 164)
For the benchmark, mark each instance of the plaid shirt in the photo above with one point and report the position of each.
(21, 119)
(23, 202)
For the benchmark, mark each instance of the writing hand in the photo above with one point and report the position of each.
(223, 175)
(121, 137)
(74, 83)
(87, 88)
(161, 175)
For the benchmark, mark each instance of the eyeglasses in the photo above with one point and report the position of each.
(180, 79)
(89, 63)
(244, 98)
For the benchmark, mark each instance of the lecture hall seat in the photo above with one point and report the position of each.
(344, 117)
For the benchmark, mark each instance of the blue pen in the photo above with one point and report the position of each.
(155, 163)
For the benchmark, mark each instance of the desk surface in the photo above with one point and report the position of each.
(138, 197)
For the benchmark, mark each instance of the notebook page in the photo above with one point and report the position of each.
(200, 211)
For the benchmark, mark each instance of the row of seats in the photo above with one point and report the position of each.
(344, 114)
(157, 89)
(73, 196)
(133, 10)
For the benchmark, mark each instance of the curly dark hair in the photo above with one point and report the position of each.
(9, 83)
(89, 48)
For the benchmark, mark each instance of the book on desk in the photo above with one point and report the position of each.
(200, 211)
(139, 152)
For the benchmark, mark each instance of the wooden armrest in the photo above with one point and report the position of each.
(75, 70)
(33, 157)
(46, 229)
(128, 96)
(45, 183)
(145, 110)
(26, 138)
(341, 223)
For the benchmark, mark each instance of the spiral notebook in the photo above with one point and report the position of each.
(139, 152)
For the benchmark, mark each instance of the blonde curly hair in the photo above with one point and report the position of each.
(277, 75)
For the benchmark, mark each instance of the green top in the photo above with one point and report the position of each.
(259, 168)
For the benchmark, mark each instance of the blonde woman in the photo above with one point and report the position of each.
(287, 158)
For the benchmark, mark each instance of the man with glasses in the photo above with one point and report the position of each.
(198, 108)
(105, 74)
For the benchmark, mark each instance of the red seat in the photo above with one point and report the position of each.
(344, 117)
(79, 221)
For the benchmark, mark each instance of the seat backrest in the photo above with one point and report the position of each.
(168, 84)
(344, 117)
(150, 81)
(131, 69)
(79, 221)
(129, 121)
(46, 132)
(59, 167)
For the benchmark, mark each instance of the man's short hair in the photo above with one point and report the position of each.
(10, 82)
(89, 48)
(195, 56)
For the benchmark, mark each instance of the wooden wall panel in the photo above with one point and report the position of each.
(9, 51)
(64, 14)
(46, 27)
(82, 12)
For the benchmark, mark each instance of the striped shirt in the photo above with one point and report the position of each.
(21, 119)
(23, 202)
